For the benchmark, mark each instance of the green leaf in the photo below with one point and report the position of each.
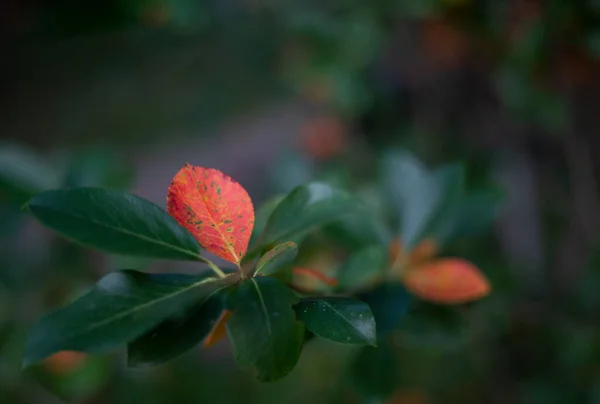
(450, 180)
(362, 267)
(375, 371)
(175, 336)
(423, 198)
(389, 303)
(411, 191)
(339, 319)
(305, 208)
(276, 259)
(266, 338)
(262, 216)
(114, 221)
(121, 307)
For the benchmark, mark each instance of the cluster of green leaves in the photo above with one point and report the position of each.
(162, 316)
(420, 204)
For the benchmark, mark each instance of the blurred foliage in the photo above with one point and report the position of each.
(451, 80)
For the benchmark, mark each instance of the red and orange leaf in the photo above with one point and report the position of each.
(214, 208)
(315, 274)
(447, 281)
(219, 329)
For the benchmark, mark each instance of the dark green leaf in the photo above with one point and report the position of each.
(305, 208)
(114, 221)
(363, 267)
(375, 371)
(122, 306)
(450, 180)
(262, 215)
(266, 338)
(389, 303)
(175, 336)
(339, 319)
(277, 258)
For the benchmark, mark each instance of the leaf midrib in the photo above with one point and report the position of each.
(122, 230)
(330, 306)
(84, 330)
(223, 239)
(264, 308)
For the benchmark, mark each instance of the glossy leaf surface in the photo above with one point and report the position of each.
(305, 208)
(266, 338)
(120, 308)
(114, 221)
(175, 336)
(339, 319)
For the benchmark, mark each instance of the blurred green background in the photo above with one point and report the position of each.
(122, 93)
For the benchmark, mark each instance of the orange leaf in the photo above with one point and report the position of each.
(425, 250)
(447, 280)
(219, 329)
(65, 362)
(214, 208)
(315, 274)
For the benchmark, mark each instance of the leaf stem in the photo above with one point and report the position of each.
(212, 266)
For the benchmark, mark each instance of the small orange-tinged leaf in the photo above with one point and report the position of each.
(424, 251)
(324, 137)
(214, 208)
(315, 274)
(219, 329)
(447, 281)
(65, 362)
